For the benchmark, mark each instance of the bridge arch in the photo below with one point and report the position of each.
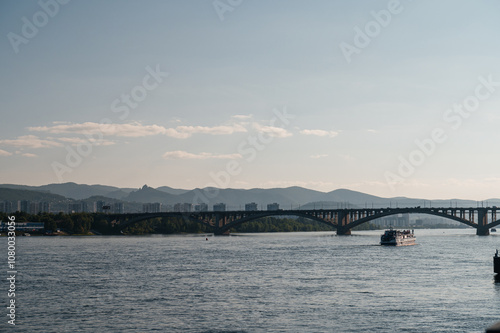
(263, 214)
(409, 211)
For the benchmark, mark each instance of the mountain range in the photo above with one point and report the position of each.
(235, 199)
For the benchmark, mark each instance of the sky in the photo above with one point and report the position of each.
(391, 98)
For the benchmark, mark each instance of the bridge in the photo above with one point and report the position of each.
(343, 220)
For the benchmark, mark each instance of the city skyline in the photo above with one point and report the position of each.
(242, 94)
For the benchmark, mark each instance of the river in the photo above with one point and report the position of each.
(272, 282)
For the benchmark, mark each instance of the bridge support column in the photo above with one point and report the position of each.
(482, 221)
(343, 219)
(343, 231)
(220, 221)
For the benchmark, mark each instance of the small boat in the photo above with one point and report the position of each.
(397, 237)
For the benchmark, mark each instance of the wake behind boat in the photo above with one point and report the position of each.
(397, 237)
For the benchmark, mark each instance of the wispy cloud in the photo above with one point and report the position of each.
(242, 116)
(30, 141)
(79, 140)
(4, 153)
(272, 131)
(319, 156)
(137, 129)
(183, 132)
(318, 132)
(126, 130)
(183, 155)
(29, 155)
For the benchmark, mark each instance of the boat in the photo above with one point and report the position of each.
(397, 237)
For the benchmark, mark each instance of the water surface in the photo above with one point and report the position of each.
(275, 282)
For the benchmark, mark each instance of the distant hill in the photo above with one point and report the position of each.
(235, 199)
(72, 190)
(170, 190)
(120, 194)
(16, 194)
(148, 194)
(354, 197)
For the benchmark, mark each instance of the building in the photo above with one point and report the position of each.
(118, 208)
(26, 206)
(34, 208)
(151, 207)
(273, 206)
(45, 207)
(75, 207)
(7, 207)
(220, 207)
(23, 206)
(399, 220)
(251, 206)
(183, 207)
(203, 207)
(78, 207)
(98, 206)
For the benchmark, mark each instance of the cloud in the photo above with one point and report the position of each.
(319, 156)
(93, 141)
(4, 153)
(242, 116)
(137, 130)
(126, 130)
(318, 132)
(183, 155)
(182, 132)
(30, 141)
(29, 155)
(272, 131)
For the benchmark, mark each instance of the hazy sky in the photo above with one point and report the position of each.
(392, 98)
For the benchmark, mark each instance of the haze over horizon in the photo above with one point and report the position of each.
(252, 94)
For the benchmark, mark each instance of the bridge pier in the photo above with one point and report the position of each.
(342, 220)
(341, 231)
(220, 221)
(482, 221)
(482, 231)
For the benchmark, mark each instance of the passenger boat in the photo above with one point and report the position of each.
(397, 237)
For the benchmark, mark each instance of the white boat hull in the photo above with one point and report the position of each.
(399, 242)
(397, 238)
